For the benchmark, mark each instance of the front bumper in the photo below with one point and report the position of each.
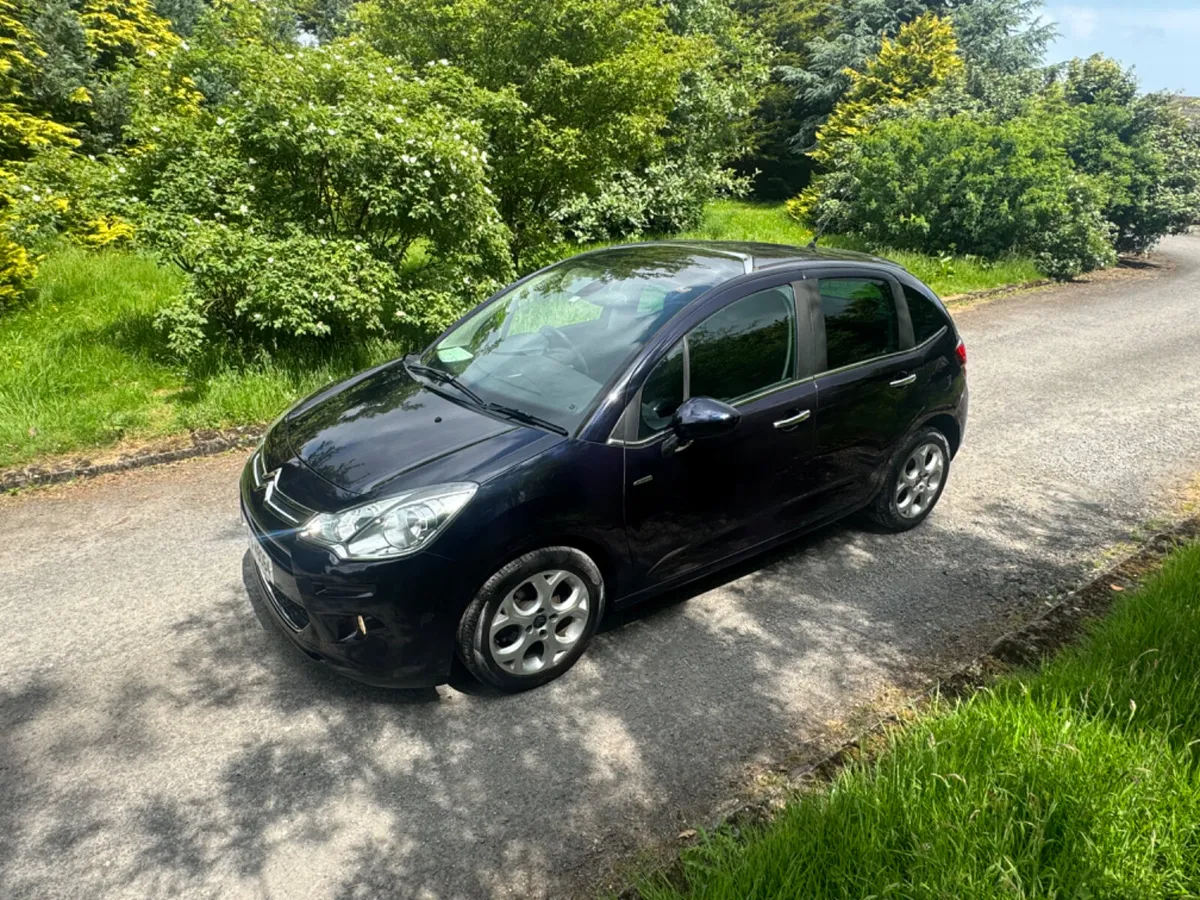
(410, 606)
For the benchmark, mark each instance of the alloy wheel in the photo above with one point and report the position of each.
(920, 479)
(539, 622)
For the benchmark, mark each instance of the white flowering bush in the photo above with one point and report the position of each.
(319, 193)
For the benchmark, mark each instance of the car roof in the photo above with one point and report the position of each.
(754, 255)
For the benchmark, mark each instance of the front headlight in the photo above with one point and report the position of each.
(396, 526)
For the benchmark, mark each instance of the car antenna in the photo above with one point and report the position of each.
(822, 224)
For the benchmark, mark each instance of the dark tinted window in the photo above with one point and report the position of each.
(661, 394)
(747, 346)
(860, 320)
(927, 316)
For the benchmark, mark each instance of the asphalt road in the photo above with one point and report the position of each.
(155, 740)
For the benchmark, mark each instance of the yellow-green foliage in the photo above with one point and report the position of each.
(120, 34)
(20, 132)
(17, 268)
(922, 58)
(125, 30)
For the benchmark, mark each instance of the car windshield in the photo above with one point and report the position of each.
(549, 345)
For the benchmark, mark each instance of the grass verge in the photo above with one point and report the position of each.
(83, 366)
(1077, 780)
(738, 220)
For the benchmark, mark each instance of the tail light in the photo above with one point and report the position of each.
(961, 352)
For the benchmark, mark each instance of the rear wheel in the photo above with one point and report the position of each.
(914, 483)
(533, 619)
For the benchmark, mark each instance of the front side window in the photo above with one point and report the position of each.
(744, 348)
(748, 346)
(861, 322)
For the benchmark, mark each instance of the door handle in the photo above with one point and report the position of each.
(793, 420)
(904, 381)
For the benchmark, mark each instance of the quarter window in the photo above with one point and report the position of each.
(926, 314)
(745, 347)
(662, 394)
(860, 320)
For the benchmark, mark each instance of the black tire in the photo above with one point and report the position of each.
(476, 647)
(889, 510)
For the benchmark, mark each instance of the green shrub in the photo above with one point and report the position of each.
(326, 192)
(632, 105)
(667, 198)
(1142, 153)
(966, 185)
(17, 267)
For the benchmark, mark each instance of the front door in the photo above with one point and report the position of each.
(689, 506)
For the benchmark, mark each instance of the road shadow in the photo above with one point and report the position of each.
(231, 763)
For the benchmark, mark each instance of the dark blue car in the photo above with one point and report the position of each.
(604, 429)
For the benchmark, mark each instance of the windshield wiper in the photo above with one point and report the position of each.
(527, 417)
(441, 376)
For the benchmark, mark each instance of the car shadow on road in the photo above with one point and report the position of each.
(331, 788)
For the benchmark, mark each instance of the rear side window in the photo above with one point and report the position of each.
(745, 347)
(926, 314)
(860, 320)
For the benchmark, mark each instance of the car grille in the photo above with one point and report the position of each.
(274, 499)
(294, 615)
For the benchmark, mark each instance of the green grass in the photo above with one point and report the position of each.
(83, 365)
(736, 220)
(1076, 781)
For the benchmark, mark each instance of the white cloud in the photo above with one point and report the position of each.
(1076, 22)
(1079, 23)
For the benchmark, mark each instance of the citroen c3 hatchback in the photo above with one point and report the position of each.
(614, 425)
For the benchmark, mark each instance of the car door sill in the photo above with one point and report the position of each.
(732, 559)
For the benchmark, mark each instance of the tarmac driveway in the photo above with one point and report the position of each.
(155, 740)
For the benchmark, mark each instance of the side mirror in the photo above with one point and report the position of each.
(704, 417)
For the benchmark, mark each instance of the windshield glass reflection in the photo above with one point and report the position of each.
(549, 345)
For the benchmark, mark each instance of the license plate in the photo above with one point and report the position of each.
(261, 559)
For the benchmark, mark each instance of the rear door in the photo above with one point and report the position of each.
(689, 507)
(867, 378)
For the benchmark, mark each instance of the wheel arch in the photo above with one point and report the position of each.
(609, 552)
(596, 549)
(947, 425)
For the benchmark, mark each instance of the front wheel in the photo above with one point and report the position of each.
(914, 482)
(533, 619)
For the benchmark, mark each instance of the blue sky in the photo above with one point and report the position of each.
(1161, 39)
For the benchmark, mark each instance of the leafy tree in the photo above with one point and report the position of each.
(709, 126)
(320, 192)
(23, 132)
(921, 59)
(711, 121)
(1135, 148)
(325, 19)
(996, 38)
(122, 31)
(182, 14)
(582, 89)
(23, 129)
(83, 54)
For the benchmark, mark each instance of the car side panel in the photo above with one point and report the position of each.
(569, 494)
